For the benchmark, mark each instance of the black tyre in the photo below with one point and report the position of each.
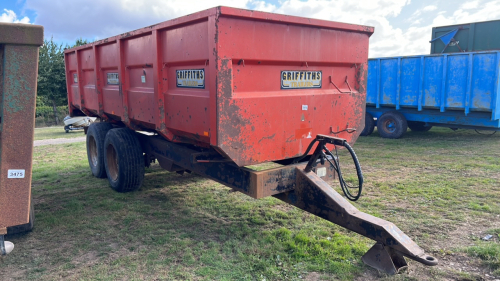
(392, 125)
(369, 125)
(66, 128)
(417, 126)
(124, 160)
(23, 227)
(95, 147)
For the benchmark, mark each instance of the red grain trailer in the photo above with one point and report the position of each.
(225, 88)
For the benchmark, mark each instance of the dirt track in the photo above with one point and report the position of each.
(58, 141)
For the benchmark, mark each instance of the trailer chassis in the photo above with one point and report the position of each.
(302, 185)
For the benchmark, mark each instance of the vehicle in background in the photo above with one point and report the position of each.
(467, 37)
(458, 90)
(449, 88)
(77, 123)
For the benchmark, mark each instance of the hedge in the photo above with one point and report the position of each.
(44, 115)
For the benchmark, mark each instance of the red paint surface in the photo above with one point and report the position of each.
(242, 111)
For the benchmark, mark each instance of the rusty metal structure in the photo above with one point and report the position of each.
(19, 45)
(225, 88)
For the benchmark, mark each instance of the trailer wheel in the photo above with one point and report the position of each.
(417, 126)
(95, 147)
(23, 227)
(392, 125)
(369, 125)
(124, 160)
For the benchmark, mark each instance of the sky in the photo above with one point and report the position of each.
(402, 27)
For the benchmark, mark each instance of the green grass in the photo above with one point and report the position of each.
(56, 133)
(487, 251)
(438, 187)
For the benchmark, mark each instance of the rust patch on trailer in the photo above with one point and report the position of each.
(361, 76)
(20, 97)
(125, 35)
(231, 121)
(125, 114)
(267, 138)
(161, 115)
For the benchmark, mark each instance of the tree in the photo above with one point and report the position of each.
(51, 75)
(79, 42)
(51, 79)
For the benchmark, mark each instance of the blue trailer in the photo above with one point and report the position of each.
(457, 90)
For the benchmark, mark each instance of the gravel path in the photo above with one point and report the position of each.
(58, 141)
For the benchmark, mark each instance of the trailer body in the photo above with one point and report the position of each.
(18, 79)
(225, 88)
(459, 90)
(256, 86)
(469, 37)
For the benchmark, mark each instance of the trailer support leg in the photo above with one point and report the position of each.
(5, 246)
(384, 259)
(3, 251)
(315, 196)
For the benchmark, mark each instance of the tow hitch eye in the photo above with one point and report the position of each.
(5, 246)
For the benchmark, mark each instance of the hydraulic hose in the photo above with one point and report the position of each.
(344, 185)
(322, 152)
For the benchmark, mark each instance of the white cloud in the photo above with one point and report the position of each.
(485, 11)
(343, 9)
(440, 20)
(10, 16)
(386, 41)
(470, 5)
(97, 19)
(429, 8)
(262, 6)
(416, 38)
(389, 40)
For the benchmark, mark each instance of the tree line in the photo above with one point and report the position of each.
(51, 88)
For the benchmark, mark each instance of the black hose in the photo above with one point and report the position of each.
(319, 154)
(344, 185)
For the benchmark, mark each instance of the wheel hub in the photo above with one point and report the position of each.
(112, 161)
(93, 151)
(390, 126)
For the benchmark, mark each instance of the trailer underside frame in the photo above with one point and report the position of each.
(308, 191)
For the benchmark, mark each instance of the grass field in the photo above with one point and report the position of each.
(56, 133)
(442, 188)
